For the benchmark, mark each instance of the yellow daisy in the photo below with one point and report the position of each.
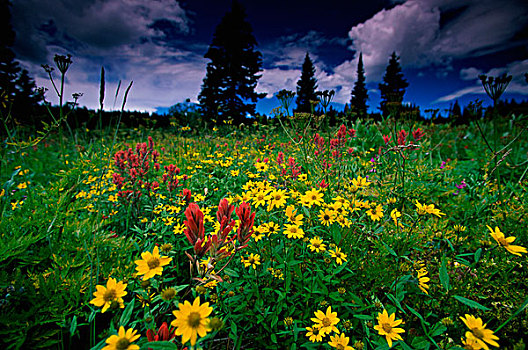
(387, 326)
(151, 264)
(123, 340)
(338, 255)
(191, 320)
(317, 245)
(478, 332)
(340, 342)
(314, 334)
(326, 322)
(111, 295)
(506, 242)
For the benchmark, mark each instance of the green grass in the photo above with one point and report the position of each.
(65, 230)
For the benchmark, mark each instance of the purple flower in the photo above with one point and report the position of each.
(442, 165)
(461, 186)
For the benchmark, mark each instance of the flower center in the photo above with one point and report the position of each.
(122, 344)
(109, 295)
(477, 333)
(386, 327)
(278, 197)
(193, 320)
(326, 217)
(153, 263)
(503, 242)
(326, 322)
(314, 197)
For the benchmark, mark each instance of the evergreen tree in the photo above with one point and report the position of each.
(9, 68)
(359, 93)
(228, 89)
(16, 86)
(306, 86)
(456, 111)
(393, 87)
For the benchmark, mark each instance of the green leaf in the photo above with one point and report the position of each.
(160, 345)
(478, 254)
(73, 325)
(470, 303)
(420, 343)
(438, 329)
(444, 277)
(417, 314)
(125, 317)
(363, 317)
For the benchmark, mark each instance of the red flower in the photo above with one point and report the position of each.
(402, 136)
(387, 139)
(247, 219)
(164, 334)
(195, 231)
(417, 134)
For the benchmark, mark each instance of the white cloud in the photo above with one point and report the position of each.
(516, 69)
(470, 73)
(412, 29)
(116, 34)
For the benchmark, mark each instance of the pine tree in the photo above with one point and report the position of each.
(393, 87)
(9, 68)
(359, 93)
(306, 87)
(228, 89)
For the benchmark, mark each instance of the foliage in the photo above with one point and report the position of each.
(228, 89)
(380, 227)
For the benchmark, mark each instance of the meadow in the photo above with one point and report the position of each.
(291, 235)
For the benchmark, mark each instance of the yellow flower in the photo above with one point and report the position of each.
(386, 326)
(123, 340)
(191, 320)
(151, 264)
(326, 322)
(277, 199)
(377, 213)
(478, 332)
(259, 197)
(312, 197)
(340, 342)
(423, 209)
(360, 182)
(251, 260)
(293, 231)
(395, 215)
(423, 280)
(291, 214)
(471, 344)
(338, 255)
(111, 295)
(314, 334)
(261, 166)
(178, 229)
(317, 245)
(327, 217)
(498, 236)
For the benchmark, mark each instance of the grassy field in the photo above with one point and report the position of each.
(365, 235)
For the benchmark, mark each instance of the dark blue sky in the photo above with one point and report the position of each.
(443, 44)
